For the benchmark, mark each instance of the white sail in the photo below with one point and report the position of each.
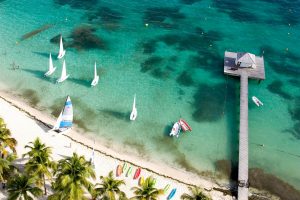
(61, 52)
(64, 74)
(51, 67)
(133, 114)
(65, 119)
(96, 77)
(56, 126)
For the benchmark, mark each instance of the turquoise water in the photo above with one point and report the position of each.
(174, 66)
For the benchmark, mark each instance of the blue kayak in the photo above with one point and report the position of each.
(172, 193)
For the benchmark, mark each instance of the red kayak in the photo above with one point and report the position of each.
(119, 170)
(137, 173)
(184, 125)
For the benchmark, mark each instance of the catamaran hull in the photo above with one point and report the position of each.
(48, 73)
(61, 55)
(62, 79)
(95, 81)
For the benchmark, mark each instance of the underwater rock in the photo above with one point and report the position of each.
(264, 181)
(276, 88)
(35, 32)
(209, 103)
(84, 39)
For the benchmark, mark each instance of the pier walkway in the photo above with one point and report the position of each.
(258, 72)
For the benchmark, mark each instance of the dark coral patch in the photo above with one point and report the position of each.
(235, 10)
(190, 2)
(282, 62)
(151, 63)
(264, 181)
(276, 88)
(31, 96)
(84, 39)
(185, 79)
(108, 18)
(163, 17)
(79, 4)
(149, 47)
(209, 102)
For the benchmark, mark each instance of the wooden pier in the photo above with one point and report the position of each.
(230, 68)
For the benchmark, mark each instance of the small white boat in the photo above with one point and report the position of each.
(51, 67)
(64, 74)
(175, 129)
(96, 77)
(65, 120)
(257, 101)
(133, 114)
(61, 52)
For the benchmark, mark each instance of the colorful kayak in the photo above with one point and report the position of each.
(125, 165)
(141, 181)
(137, 173)
(166, 189)
(119, 170)
(129, 171)
(172, 193)
(184, 125)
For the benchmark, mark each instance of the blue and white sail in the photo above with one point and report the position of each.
(65, 119)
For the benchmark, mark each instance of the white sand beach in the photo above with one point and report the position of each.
(27, 123)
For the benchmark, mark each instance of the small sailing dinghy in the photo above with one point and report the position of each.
(65, 119)
(133, 114)
(64, 74)
(61, 52)
(175, 129)
(184, 125)
(257, 101)
(96, 77)
(51, 67)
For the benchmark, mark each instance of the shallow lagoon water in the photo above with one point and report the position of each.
(175, 67)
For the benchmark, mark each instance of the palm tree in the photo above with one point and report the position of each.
(72, 176)
(197, 194)
(40, 163)
(22, 187)
(109, 188)
(6, 141)
(147, 191)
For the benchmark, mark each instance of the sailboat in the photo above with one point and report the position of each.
(65, 119)
(61, 52)
(51, 67)
(96, 77)
(64, 74)
(133, 114)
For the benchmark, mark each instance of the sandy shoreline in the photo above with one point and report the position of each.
(27, 123)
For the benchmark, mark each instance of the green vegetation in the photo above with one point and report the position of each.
(109, 189)
(196, 194)
(72, 178)
(147, 191)
(22, 187)
(40, 163)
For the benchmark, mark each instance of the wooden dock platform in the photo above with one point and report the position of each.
(230, 68)
(258, 72)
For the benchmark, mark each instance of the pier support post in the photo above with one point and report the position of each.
(243, 183)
